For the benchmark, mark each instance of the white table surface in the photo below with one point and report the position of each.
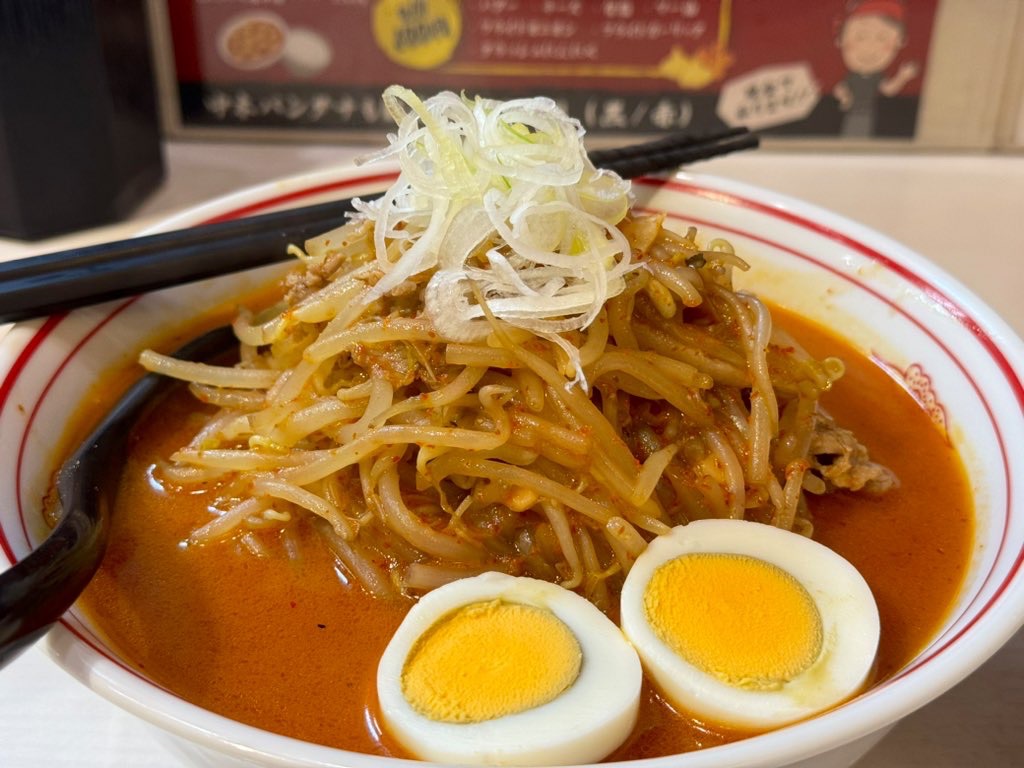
(965, 212)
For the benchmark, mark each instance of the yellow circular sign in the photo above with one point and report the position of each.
(419, 34)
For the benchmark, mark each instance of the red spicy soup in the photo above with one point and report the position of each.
(289, 646)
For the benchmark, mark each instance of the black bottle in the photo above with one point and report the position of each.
(79, 135)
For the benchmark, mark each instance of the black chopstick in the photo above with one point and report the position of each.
(616, 156)
(667, 156)
(57, 282)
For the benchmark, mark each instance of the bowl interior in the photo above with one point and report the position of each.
(953, 354)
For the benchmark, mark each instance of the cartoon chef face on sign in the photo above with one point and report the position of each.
(869, 38)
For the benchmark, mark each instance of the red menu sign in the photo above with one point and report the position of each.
(828, 68)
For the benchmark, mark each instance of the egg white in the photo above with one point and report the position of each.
(583, 724)
(844, 601)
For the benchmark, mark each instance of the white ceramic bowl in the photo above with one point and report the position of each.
(885, 299)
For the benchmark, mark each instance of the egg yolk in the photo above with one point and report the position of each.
(488, 660)
(742, 620)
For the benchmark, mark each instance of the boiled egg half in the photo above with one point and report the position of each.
(746, 625)
(499, 670)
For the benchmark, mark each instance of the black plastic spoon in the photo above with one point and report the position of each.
(36, 591)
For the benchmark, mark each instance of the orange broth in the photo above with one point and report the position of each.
(289, 646)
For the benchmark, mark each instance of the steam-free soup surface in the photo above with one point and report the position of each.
(289, 646)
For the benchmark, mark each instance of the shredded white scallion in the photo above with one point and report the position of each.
(499, 196)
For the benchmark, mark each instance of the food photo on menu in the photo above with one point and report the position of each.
(516, 439)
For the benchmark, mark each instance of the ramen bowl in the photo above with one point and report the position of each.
(961, 362)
